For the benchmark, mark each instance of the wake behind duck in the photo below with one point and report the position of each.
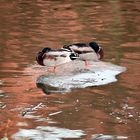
(70, 72)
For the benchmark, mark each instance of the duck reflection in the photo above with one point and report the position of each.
(64, 80)
(46, 88)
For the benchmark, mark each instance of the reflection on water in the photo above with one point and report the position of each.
(48, 133)
(54, 133)
(107, 137)
(28, 26)
(77, 76)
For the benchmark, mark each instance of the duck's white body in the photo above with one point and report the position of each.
(56, 58)
(85, 52)
(89, 56)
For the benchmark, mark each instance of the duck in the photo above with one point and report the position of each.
(53, 58)
(87, 51)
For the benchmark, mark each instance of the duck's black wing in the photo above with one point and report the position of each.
(75, 44)
(80, 44)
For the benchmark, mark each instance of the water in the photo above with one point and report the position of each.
(104, 112)
(75, 75)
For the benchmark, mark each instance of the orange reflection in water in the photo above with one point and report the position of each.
(29, 26)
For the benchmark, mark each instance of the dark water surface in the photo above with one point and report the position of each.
(26, 112)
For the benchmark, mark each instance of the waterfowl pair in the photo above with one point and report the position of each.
(83, 51)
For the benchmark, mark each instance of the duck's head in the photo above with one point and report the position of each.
(97, 49)
(40, 56)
